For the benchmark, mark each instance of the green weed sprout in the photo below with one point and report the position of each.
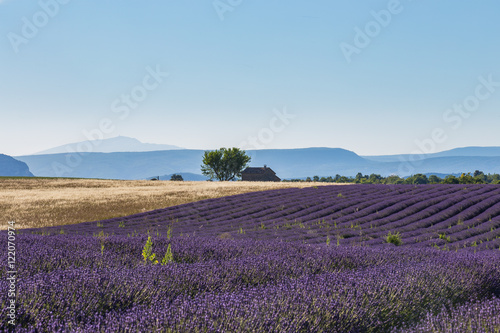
(168, 256)
(147, 252)
(169, 232)
(394, 238)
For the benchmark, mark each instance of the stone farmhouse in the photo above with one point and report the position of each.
(264, 174)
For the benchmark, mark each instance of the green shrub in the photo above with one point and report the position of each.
(168, 256)
(147, 252)
(394, 238)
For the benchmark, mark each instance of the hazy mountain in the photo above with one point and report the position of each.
(287, 163)
(122, 165)
(452, 165)
(116, 144)
(465, 151)
(11, 167)
(142, 165)
(442, 175)
(187, 176)
(470, 151)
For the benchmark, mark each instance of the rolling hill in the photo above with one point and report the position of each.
(419, 213)
(11, 167)
(457, 152)
(353, 258)
(287, 163)
(140, 165)
(188, 176)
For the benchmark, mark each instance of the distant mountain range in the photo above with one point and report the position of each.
(457, 152)
(11, 167)
(287, 163)
(112, 145)
(188, 176)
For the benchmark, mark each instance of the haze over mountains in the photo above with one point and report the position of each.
(112, 145)
(465, 151)
(287, 163)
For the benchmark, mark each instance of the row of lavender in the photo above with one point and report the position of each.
(78, 283)
(446, 216)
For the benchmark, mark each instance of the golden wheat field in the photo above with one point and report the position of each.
(41, 202)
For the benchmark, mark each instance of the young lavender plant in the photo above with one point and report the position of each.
(168, 256)
(169, 233)
(147, 252)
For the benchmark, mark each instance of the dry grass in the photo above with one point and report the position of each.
(38, 202)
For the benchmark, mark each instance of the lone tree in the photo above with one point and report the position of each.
(224, 164)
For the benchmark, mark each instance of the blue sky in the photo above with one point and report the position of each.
(375, 77)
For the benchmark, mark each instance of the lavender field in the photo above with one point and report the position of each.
(358, 258)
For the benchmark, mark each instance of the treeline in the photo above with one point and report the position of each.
(477, 178)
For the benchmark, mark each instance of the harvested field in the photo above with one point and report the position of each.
(42, 202)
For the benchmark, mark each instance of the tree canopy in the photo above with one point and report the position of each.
(176, 177)
(224, 164)
(465, 178)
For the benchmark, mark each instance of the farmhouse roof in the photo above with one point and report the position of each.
(255, 170)
(264, 174)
